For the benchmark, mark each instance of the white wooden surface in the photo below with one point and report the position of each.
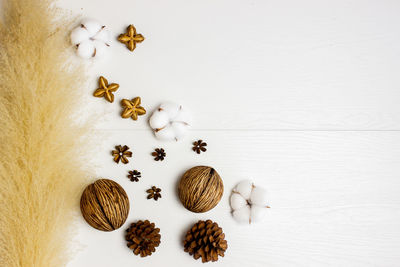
(301, 96)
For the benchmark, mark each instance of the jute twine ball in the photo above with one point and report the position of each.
(200, 189)
(105, 205)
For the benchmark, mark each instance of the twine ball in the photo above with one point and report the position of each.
(200, 189)
(105, 205)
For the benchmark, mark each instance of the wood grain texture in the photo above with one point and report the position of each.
(300, 96)
(255, 64)
(334, 198)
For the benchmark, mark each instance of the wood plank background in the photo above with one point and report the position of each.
(300, 96)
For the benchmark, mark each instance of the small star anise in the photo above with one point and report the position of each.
(105, 90)
(121, 153)
(132, 108)
(134, 175)
(154, 193)
(130, 38)
(159, 154)
(199, 146)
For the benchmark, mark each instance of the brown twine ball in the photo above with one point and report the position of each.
(105, 205)
(200, 189)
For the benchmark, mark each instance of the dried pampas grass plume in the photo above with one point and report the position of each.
(41, 175)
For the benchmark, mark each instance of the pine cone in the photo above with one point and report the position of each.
(143, 238)
(205, 240)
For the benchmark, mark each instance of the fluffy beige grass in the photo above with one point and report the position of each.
(41, 174)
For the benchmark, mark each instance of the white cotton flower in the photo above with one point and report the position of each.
(91, 39)
(248, 202)
(170, 121)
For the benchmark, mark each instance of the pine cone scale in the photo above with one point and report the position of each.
(205, 240)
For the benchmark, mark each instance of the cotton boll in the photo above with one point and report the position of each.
(101, 49)
(91, 39)
(165, 124)
(172, 109)
(242, 215)
(103, 36)
(184, 115)
(166, 134)
(180, 130)
(244, 188)
(259, 197)
(159, 119)
(237, 201)
(78, 35)
(245, 194)
(92, 26)
(257, 213)
(86, 49)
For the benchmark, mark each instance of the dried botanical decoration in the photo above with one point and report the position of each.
(106, 90)
(206, 240)
(91, 39)
(200, 189)
(199, 146)
(170, 121)
(249, 203)
(134, 175)
(154, 192)
(159, 154)
(121, 153)
(105, 205)
(130, 38)
(143, 238)
(132, 108)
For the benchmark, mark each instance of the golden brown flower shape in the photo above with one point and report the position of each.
(199, 146)
(130, 38)
(132, 108)
(121, 153)
(105, 90)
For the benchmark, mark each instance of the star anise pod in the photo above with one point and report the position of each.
(130, 38)
(121, 153)
(199, 146)
(159, 154)
(134, 175)
(132, 108)
(154, 192)
(106, 90)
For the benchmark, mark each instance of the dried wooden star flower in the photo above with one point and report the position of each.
(199, 146)
(159, 154)
(121, 153)
(105, 90)
(130, 38)
(154, 193)
(132, 108)
(134, 175)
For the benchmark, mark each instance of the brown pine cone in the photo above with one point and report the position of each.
(143, 238)
(206, 240)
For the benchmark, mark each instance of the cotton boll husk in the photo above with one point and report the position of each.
(78, 35)
(103, 36)
(171, 109)
(237, 201)
(257, 213)
(244, 188)
(159, 119)
(101, 49)
(166, 134)
(259, 196)
(242, 215)
(86, 49)
(179, 129)
(92, 26)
